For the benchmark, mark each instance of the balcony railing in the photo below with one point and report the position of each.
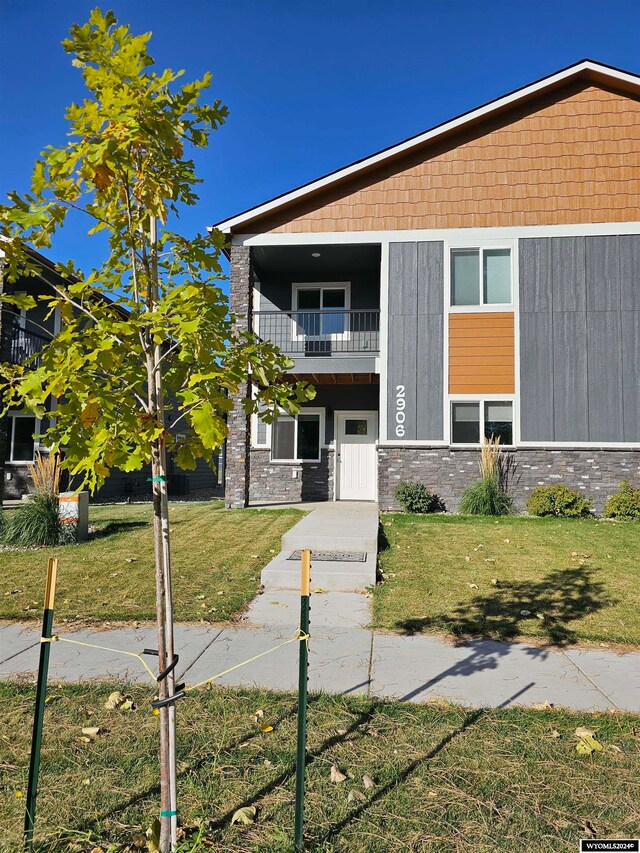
(19, 345)
(321, 332)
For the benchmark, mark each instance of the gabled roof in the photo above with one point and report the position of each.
(586, 70)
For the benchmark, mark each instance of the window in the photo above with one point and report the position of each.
(296, 438)
(322, 309)
(353, 426)
(471, 419)
(481, 277)
(21, 445)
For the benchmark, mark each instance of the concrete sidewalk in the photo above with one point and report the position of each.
(346, 657)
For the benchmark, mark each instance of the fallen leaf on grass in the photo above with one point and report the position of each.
(555, 733)
(472, 585)
(495, 581)
(582, 731)
(117, 701)
(244, 816)
(543, 706)
(587, 827)
(153, 836)
(336, 774)
(587, 743)
(356, 796)
(259, 714)
(525, 613)
(367, 781)
(91, 732)
(265, 727)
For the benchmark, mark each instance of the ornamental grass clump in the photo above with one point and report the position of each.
(37, 523)
(488, 496)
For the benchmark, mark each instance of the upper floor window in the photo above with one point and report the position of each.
(481, 277)
(322, 308)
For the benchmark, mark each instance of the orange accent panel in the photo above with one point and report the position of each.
(571, 156)
(482, 353)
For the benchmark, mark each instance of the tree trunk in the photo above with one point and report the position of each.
(164, 609)
(157, 473)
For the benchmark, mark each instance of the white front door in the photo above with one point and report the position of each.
(356, 458)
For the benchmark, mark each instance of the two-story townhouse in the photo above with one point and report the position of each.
(22, 335)
(481, 278)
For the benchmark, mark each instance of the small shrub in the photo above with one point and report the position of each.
(559, 501)
(624, 504)
(486, 497)
(414, 497)
(35, 523)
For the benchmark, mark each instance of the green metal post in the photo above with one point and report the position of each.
(305, 590)
(41, 694)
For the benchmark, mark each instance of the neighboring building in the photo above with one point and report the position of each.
(23, 335)
(480, 278)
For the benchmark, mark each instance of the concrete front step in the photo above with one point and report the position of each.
(336, 526)
(330, 575)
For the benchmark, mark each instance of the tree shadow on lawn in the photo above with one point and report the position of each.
(557, 599)
(111, 528)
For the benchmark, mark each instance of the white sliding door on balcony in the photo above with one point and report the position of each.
(356, 458)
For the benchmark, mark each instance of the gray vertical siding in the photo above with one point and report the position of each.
(580, 338)
(416, 338)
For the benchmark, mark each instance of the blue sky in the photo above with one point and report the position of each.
(310, 86)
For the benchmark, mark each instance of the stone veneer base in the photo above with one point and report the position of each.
(290, 482)
(446, 472)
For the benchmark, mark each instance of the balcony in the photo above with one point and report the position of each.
(321, 333)
(20, 345)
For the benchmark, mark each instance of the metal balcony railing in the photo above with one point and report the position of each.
(323, 332)
(19, 345)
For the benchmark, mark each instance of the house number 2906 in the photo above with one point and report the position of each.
(400, 407)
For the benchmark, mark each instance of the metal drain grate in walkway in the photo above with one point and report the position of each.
(333, 556)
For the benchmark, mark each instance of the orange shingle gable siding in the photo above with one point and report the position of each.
(572, 157)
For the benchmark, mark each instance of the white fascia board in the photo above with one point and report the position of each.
(564, 76)
(590, 229)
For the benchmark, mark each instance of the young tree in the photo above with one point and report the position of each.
(147, 344)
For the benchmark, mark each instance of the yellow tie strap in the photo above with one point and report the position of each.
(300, 636)
(55, 638)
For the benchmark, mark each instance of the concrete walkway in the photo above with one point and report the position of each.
(347, 658)
(344, 538)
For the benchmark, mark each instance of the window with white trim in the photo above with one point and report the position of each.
(481, 277)
(321, 309)
(473, 419)
(297, 438)
(21, 444)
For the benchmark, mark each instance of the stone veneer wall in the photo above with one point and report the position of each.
(274, 482)
(447, 472)
(238, 437)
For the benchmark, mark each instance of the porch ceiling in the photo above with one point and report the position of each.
(334, 263)
(338, 378)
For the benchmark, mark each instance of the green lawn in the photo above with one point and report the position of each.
(445, 779)
(579, 579)
(217, 558)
